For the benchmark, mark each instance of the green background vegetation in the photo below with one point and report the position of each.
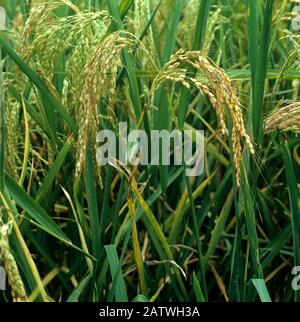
(149, 233)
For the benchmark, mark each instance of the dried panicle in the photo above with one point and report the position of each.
(99, 77)
(237, 154)
(14, 279)
(286, 118)
(212, 81)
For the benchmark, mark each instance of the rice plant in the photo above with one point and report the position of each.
(74, 231)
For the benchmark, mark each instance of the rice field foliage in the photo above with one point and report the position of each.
(73, 231)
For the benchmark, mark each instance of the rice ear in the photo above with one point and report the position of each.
(286, 118)
(213, 82)
(14, 279)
